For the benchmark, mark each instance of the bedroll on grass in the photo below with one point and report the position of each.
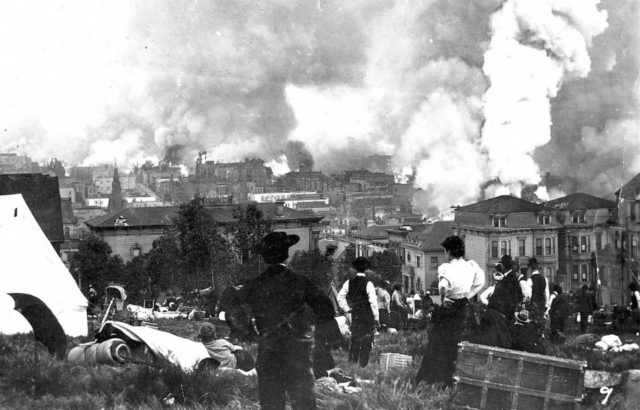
(112, 351)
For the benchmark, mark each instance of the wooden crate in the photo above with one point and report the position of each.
(388, 360)
(491, 378)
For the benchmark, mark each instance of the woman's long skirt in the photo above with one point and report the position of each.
(450, 327)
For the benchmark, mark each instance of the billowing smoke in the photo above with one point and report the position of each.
(460, 92)
(535, 46)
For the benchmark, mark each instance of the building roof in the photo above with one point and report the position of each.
(502, 204)
(42, 195)
(163, 216)
(373, 231)
(580, 201)
(631, 189)
(434, 234)
(402, 215)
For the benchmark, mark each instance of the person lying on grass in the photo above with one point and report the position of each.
(224, 353)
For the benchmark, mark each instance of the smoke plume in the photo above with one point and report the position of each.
(460, 92)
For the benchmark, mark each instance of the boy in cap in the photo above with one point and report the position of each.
(277, 297)
(359, 298)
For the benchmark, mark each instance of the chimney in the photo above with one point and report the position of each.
(279, 208)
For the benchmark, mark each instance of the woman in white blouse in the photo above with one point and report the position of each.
(458, 281)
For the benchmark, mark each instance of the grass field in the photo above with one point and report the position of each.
(31, 379)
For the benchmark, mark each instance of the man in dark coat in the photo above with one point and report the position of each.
(558, 312)
(277, 298)
(359, 298)
(585, 306)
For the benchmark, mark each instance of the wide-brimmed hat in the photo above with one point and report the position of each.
(533, 263)
(277, 244)
(523, 316)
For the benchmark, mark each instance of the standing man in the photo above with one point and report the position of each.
(359, 298)
(585, 306)
(277, 297)
(384, 299)
(539, 287)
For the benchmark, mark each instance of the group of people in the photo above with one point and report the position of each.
(291, 355)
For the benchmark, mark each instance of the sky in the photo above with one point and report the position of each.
(475, 98)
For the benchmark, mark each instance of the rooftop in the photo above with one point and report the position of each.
(580, 201)
(503, 204)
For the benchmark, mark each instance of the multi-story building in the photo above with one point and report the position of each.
(626, 233)
(17, 164)
(372, 181)
(372, 239)
(304, 181)
(421, 254)
(251, 170)
(507, 225)
(131, 231)
(582, 239)
(401, 218)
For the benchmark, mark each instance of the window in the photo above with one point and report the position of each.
(547, 246)
(575, 272)
(136, 251)
(577, 217)
(503, 248)
(574, 244)
(539, 246)
(434, 288)
(499, 221)
(553, 246)
(418, 261)
(544, 219)
(408, 257)
(583, 244)
(547, 273)
(634, 246)
(494, 249)
(598, 242)
(521, 250)
(583, 278)
(434, 262)
(617, 238)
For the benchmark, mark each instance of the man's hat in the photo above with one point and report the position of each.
(277, 244)
(427, 293)
(523, 316)
(361, 264)
(533, 263)
(507, 262)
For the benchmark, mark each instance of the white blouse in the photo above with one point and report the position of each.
(461, 278)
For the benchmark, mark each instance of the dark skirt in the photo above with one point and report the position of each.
(451, 325)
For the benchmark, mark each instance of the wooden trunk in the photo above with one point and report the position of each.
(491, 378)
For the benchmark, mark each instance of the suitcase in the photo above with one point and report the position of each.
(491, 378)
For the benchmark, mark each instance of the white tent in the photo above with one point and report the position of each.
(32, 271)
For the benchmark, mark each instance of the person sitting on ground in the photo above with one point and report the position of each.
(223, 352)
(525, 336)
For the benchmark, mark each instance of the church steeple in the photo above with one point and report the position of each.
(116, 202)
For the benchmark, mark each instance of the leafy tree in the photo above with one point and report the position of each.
(135, 279)
(345, 265)
(313, 264)
(247, 232)
(387, 265)
(164, 266)
(202, 244)
(93, 264)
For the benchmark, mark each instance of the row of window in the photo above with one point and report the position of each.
(543, 219)
(433, 264)
(544, 246)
